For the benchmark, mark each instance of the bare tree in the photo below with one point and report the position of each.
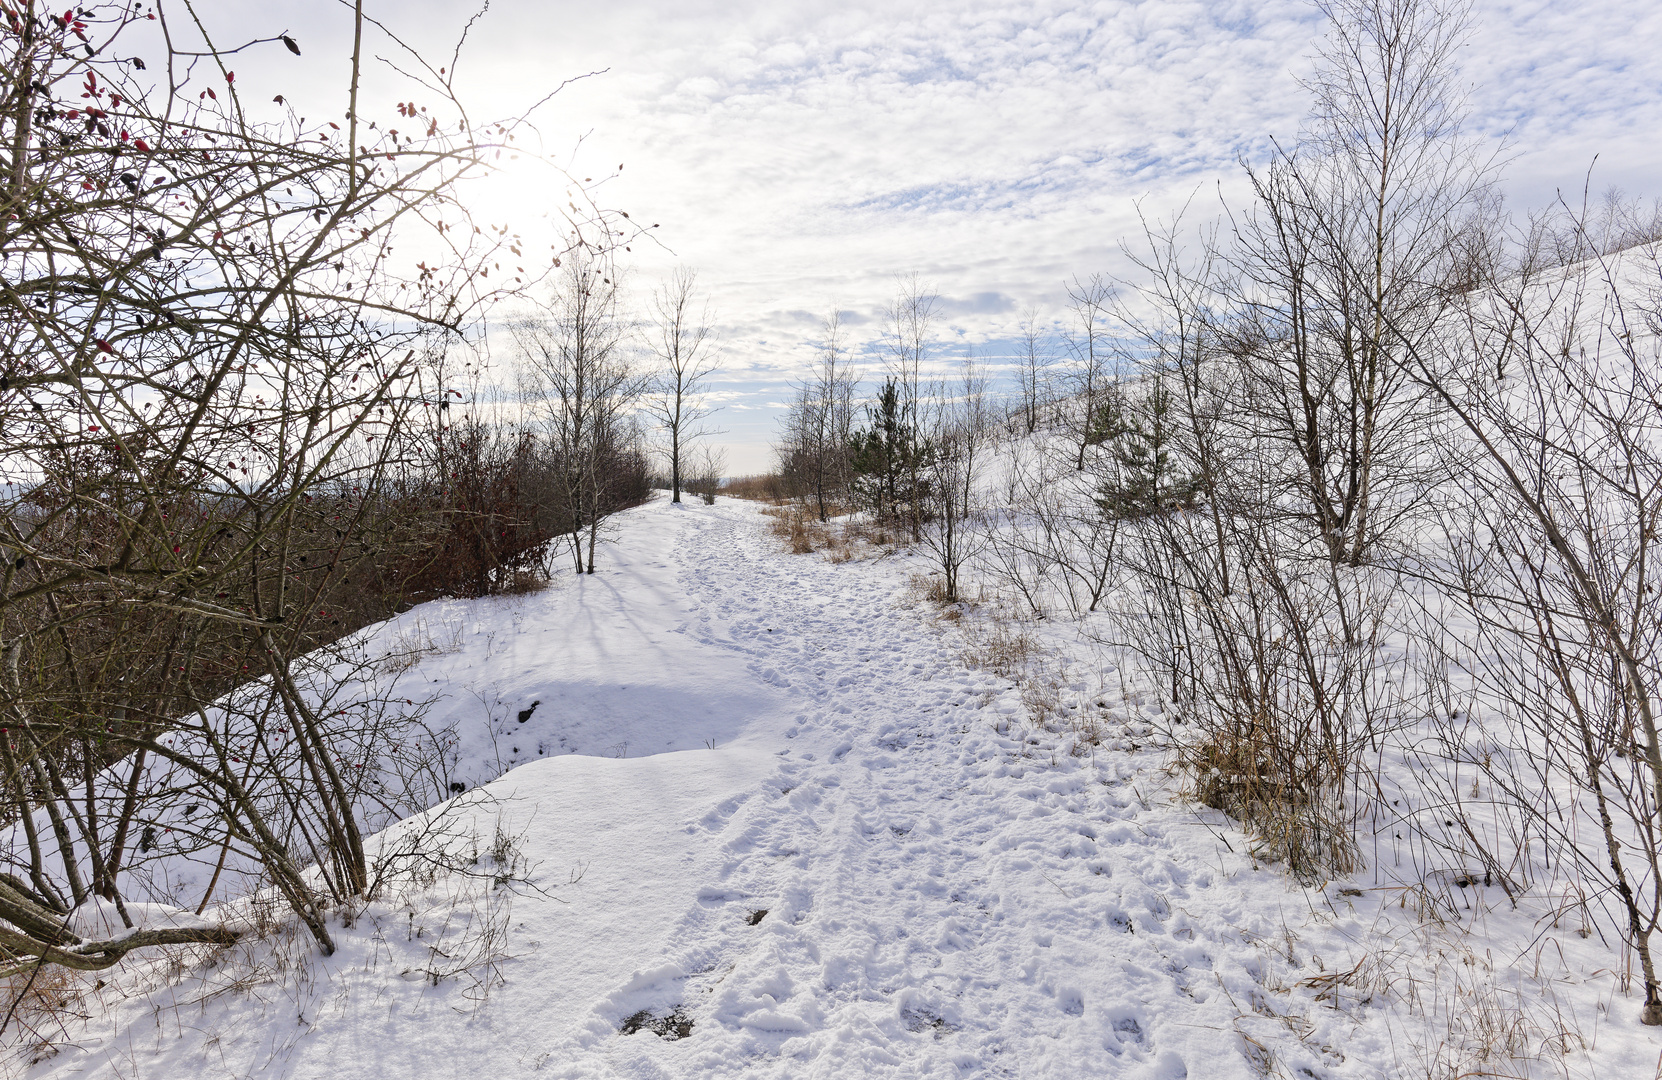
(1033, 374)
(680, 340)
(1091, 349)
(910, 340)
(817, 451)
(959, 422)
(583, 387)
(1353, 230)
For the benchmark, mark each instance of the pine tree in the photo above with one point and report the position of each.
(1146, 476)
(886, 454)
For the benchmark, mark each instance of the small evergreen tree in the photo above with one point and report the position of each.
(886, 455)
(1145, 475)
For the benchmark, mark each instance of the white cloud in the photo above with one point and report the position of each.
(801, 155)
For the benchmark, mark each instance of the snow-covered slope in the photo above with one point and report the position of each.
(764, 804)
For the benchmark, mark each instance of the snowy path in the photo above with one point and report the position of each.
(937, 904)
(938, 900)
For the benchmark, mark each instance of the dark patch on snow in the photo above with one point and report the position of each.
(756, 916)
(921, 1020)
(672, 1025)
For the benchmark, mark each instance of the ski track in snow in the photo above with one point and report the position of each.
(941, 899)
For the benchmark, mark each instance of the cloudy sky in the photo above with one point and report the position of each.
(801, 155)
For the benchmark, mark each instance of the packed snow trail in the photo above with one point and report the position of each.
(762, 794)
(935, 903)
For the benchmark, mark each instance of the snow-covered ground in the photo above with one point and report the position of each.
(762, 803)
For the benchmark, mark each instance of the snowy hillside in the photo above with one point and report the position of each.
(764, 821)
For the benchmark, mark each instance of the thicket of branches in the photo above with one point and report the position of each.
(226, 432)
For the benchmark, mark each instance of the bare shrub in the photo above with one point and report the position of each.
(1275, 371)
(1277, 687)
(704, 473)
(1053, 546)
(454, 888)
(1548, 554)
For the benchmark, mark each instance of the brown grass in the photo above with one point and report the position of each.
(40, 1003)
(854, 538)
(792, 525)
(843, 540)
(764, 487)
(524, 583)
(1003, 648)
(1245, 775)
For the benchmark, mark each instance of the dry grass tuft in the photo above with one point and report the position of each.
(42, 1003)
(1293, 822)
(931, 589)
(1009, 649)
(1480, 1022)
(846, 538)
(416, 639)
(1001, 646)
(852, 538)
(792, 525)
